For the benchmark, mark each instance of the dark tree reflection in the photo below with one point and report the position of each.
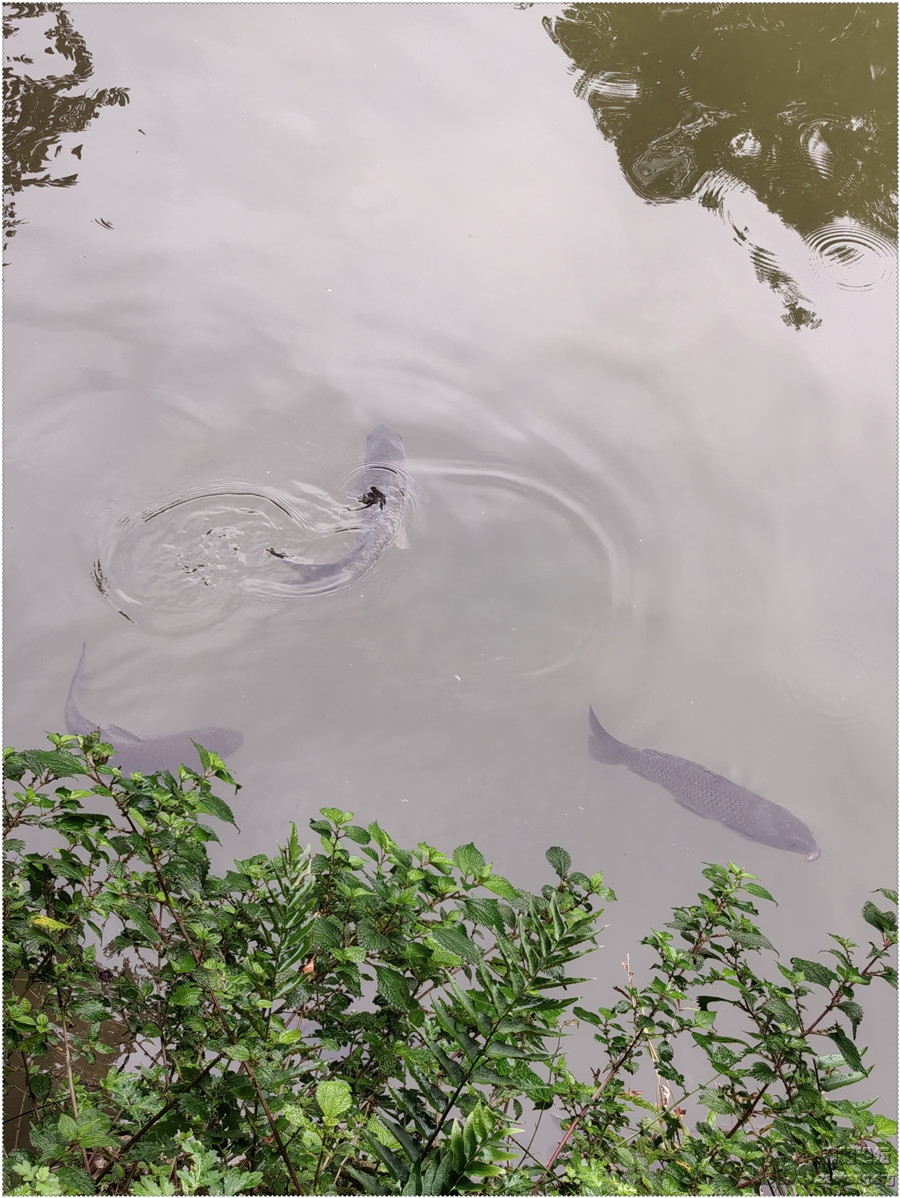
(794, 102)
(41, 108)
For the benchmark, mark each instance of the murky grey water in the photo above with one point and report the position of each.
(641, 486)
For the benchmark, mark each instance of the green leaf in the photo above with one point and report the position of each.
(74, 1180)
(854, 1013)
(847, 1049)
(67, 1126)
(499, 885)
(884, 921)
(186, 995)
(754, 888)
(211, 804)
(885, 1126)
(587, 1016)
(380, 837)
(61, 765)
(456, 941)
(333, 1097)
(749, 939)
(393, 987)
(781, 1011)
(814, 971)
(336, 815)
(497, 1048)
(358, 835)
(714, 1101)
(560, 860)
(467, 859)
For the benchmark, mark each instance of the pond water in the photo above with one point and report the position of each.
(637, 329)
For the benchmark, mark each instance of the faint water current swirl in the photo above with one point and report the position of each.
(192, 559)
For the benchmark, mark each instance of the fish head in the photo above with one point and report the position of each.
(384, 447)
(795, 836)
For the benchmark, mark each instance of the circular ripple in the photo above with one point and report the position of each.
(192, 559)
(538, 578)
(829, 675)
(850, 256)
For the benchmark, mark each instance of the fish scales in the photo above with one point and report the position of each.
(707, 794)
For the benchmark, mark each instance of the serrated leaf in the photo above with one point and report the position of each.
(884, 921)
(847, 1049)
(560, 860)
(211, 804)
(336, 815)
(380, 837)
(467, 859)
(505, 889)
(854, 1013)
(714, 1101)
(456, 941)
(814, 971)
(73, 1180)
(885, 1126)
(497, 1048)
(185, 995)
(750, 939)
(357, 834)
(333, 1097)
(393, 987)
(58, 763)
(67, 1126)
(781, 1011)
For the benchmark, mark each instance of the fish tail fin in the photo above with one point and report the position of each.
(76, 724)
(604, 747)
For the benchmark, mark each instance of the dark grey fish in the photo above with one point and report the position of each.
(381, 498)
(135, 754)
(707, 794)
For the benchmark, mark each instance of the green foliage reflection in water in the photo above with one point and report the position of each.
(42, 111)
(374, 1019)
(795, 102)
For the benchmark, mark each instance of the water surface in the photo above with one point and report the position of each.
(642, 487)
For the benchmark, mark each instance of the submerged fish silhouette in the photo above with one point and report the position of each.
(135, 754)
(382, 492)
(707, 794)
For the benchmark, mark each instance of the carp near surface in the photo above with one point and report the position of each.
(382, 493)
(707, 794)
(135, 754)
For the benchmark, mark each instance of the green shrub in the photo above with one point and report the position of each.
(374, 1019)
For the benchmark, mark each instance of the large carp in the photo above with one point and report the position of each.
(139, 755)
(707, 794)
(381, 495)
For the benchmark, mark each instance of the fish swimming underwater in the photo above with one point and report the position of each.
(134, 754)
(383, 492)
(707, 794)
